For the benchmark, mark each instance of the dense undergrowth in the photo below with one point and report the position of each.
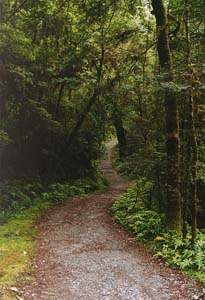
(21, 203)
(148, 226)
(136, 212)
(20, 195)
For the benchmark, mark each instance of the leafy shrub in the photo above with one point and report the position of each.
(182, 254)
(58, 192)
(130, 211)
(21, 195)
(147, 225)
(18, 194)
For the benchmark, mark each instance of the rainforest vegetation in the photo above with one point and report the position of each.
(75, 73)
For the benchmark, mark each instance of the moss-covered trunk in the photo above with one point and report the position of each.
(173, 212)
(194, 164)
(192, 146)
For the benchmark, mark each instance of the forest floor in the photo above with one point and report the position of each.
(81, 253)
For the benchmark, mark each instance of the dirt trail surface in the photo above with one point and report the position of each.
(82, 254)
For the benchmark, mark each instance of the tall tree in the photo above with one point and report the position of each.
(192, 147)
(173, 211)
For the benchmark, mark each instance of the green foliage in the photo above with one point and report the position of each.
(46, 83)
(130, 210)
(148, 226)
(145, 224)
(4, 138)
(19, 195)
(181, 253)
(58, 192)
(16, 238)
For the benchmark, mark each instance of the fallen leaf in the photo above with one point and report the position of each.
(15, 290)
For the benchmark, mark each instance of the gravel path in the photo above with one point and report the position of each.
(82, 254)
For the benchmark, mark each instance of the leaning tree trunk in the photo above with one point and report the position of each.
(173, 212)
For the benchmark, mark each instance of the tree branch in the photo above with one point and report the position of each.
(17, 10)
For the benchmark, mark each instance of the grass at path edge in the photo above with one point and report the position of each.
(18, 232)
(16, 240)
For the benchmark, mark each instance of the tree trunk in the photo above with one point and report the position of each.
(192, 138)
(173, 212)
(121, 135)
(194, 163)
(3, 78)
(59, 100)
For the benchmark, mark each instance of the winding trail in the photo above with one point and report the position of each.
(82, 254)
